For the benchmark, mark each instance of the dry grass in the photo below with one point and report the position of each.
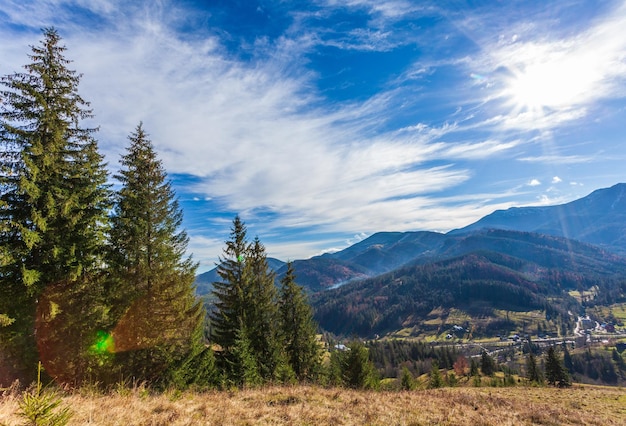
(303, 405)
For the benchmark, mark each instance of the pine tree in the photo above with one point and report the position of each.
(261, 317)
(298, 328)
(407, 382)
(473, 368)
(556, 374)
(229, 292)
(357, 371)
(245, 363)
(487, 364)
(160, 321)
(567, 359)
(435, 380)
(53, 196)
(246, 298)
(533, 372)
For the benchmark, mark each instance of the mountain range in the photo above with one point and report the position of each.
(599, 218)
(524, 258)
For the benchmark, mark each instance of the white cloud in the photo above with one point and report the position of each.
(556, 179)
(251, 132)
(205, 251)
(534, 182)
(544, 200)
(534, 120)
(558, 159)
(477, 150)
(356, 238)
(387, 9)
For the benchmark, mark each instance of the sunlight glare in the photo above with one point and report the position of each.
(555, 84)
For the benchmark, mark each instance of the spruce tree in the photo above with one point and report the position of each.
(487, 364)
(227, 317)
(407, 382)
(160, 320)
(246, 298)
(473, 368)
(434, 378)
(357, 371)
(533, 372)
(261, 317)
(556, 374)
(245, 361)
(53, 199)
(298, 328)
(567, 359)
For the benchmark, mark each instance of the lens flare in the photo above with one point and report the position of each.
(104, 343)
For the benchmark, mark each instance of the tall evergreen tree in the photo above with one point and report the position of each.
(435, 380)
(245, 361)
(556, 374)
(53, 194)
(298, 328)
(567, 359)
(262, 316)
(161, 319)
(230, 301)
(487, 364)
(357, 371)
(533, 372)
(246, 308)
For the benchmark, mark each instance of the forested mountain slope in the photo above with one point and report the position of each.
(480, 272)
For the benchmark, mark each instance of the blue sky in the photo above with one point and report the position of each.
(321, 122)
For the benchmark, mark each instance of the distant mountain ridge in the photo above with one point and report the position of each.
(599, 219)
(515, 260)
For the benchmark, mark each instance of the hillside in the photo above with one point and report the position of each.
(478, 273)
(303, 405)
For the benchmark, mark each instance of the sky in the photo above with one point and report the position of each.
(322, 122)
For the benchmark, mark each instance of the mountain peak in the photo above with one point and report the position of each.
(599, 218)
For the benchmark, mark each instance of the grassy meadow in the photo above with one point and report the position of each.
(304, 405)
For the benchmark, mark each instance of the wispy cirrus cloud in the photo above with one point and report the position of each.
(558, 159)
(385, 9)
(253, 135)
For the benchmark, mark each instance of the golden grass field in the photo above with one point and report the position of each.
(303, 405)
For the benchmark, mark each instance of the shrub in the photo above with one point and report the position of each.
(41, 406)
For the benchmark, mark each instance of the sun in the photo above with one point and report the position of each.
(540, 86)
(551, 85)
